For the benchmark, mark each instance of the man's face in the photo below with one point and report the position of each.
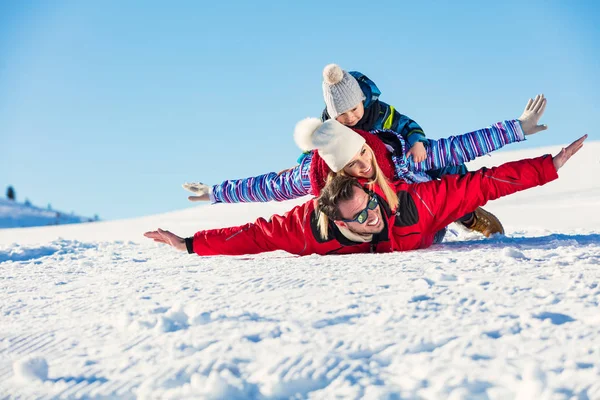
(351, 208)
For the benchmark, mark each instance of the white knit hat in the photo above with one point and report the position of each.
(340, 90)
(337, 144)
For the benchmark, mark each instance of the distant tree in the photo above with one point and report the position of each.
(27, 202)
(96, 218)
(49, 207)
(10, 193)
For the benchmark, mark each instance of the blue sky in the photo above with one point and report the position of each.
(108, 107)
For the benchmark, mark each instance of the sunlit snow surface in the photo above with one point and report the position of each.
(14, 214)
(96, 310)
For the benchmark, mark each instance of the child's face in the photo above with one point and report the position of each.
(351, 117)
(361, 166)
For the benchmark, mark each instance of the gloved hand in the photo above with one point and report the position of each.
(201, 190)
(532, 114)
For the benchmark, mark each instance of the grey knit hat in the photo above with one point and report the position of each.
(340, 90)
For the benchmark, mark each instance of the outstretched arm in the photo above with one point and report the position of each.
(454, 196)
(457, 150)
(286, 185)
(280, 232)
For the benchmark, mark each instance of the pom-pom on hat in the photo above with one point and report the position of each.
(336, 144)
(340, 90)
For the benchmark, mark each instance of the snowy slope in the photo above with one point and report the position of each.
(109, 314)
(20, 215)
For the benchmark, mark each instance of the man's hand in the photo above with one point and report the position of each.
(561, 158)
(200, 189)
(167, 237)
(532, 114)
(418, 152)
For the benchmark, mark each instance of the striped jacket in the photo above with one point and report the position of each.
(454, 150)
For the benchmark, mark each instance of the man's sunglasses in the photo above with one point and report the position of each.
(362, 216)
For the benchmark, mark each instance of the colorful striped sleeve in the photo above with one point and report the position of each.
(457, 150)
(287, 185)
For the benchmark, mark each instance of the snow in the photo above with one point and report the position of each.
(112, 314)
(23, 215)
(31, 368)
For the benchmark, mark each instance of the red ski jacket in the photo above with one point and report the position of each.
(423, 210)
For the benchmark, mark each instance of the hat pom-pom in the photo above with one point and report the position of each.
(333, 74)
(303, 133)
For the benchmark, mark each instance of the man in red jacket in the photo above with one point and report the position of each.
(364, 222)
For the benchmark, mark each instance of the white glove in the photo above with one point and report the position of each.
(201, 191)
(532, 114)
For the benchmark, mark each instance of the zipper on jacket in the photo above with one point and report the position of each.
(237, 233)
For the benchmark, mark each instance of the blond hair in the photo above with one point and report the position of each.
(331, 198)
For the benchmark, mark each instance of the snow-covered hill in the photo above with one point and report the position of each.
(23, 215)
(109, 314)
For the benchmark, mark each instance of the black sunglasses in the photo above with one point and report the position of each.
(362, 216)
